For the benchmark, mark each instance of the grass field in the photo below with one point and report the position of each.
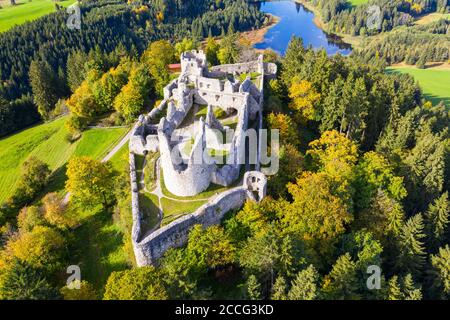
(25, 10)
(98, 248)
(358, 2)
(150, 211)
(435, 83)
(432, 17)
(119, 161)
(48, 143)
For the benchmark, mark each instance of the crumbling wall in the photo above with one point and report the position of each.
(237, 68)
(140, 143)
(176, 233)
(220, 99)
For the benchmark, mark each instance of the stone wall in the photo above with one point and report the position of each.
(141, 141)
(147, 250)
(176, 233)
(237, 68)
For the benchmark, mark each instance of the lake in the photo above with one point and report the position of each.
(297, 20)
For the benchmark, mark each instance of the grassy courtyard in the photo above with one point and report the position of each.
(48, 143)
(26, 10)
(174, 209)
(433, 81)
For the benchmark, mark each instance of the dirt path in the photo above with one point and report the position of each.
(118, 146)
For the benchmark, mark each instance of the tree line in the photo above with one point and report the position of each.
(106, 25)
(397, 39)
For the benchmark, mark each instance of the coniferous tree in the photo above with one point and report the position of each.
(412, 292)
(436, 220)
(292, 60)
(253, 288)
(341, 283)
(76, 69)
(305, 285)
(411, 257)
(403, 289)
(44, 86)
(440, 273)
(20, 281)
(279, 289)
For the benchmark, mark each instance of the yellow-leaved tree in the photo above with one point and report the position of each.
(40, 248)
(287, 127)
(90, 182)
(303, 99)
(334, 154)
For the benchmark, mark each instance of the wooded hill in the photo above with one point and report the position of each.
(106, 25)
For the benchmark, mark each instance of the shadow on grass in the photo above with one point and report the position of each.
(435, 100)
(97, 248)
(58, 179)
(150, 212)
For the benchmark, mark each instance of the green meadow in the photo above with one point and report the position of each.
(48, 143)
(435, 83)
(26, 10)
(358, 2)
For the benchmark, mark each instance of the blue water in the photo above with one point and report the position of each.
(298, 21)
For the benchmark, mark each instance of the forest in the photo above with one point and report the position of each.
(106, 25)
(415, 45)
(396, 38)
(363, 181)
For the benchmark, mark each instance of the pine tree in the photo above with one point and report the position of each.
(411, 248)
(279, 289)
(304, 286)
(394, 292)
(410, 290)
(341, 283)
(406, 290)
(293, 60)
(436, 220)
(44, 86)
(23, 282)
(76, 71)
(441, 273)
(253, 288)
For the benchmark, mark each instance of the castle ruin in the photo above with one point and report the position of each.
(192, 148)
